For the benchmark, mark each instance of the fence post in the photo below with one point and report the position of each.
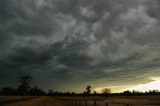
(68, 102)
(79, 102)
(71, 102)
(75, 102)
(85, 104)
(107, 104)
(94, 100)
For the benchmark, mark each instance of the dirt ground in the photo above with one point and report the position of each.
(115, 101)
(31, 101)
(80, 101)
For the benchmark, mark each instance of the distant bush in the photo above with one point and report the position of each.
(8, 91)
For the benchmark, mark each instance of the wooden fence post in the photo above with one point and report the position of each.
(75, 102)
(85, 104)
(79, 102)
(94, 101)
(107, 104)
(71, 102)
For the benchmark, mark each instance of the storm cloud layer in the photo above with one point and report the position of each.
(98, 42)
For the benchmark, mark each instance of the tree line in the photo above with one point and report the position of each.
(25, 89)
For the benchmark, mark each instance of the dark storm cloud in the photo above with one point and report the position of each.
(71, 53)
(79, 41)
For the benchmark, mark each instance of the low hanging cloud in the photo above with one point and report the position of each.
(79, 41)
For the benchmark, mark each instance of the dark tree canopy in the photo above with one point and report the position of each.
(88, 89)
(24, 87)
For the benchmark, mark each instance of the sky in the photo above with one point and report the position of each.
(69, 44)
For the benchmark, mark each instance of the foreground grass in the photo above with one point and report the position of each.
(37, 101)
(80, 100)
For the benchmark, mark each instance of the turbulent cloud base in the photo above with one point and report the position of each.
(98, 42)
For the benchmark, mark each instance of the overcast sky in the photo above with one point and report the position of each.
(68, 44)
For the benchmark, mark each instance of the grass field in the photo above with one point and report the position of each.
(80, 101)
(29, 101)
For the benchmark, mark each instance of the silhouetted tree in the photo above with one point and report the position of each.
(128, 93)
(153, 92)
(94, 92)
(88, 89)
(50, 92)
(25, 81)
(35, 91)
(106, 91)
(73, 93)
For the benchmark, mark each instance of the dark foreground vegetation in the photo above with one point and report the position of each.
(25, 89)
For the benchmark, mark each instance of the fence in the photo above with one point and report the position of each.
(80, 102)
(106, 102)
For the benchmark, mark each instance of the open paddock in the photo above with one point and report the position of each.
(112, 101)
(80, 101)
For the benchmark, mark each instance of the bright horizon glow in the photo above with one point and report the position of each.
(153, 85)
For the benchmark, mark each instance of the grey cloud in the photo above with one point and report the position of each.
(95, 39)
(72, 53)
